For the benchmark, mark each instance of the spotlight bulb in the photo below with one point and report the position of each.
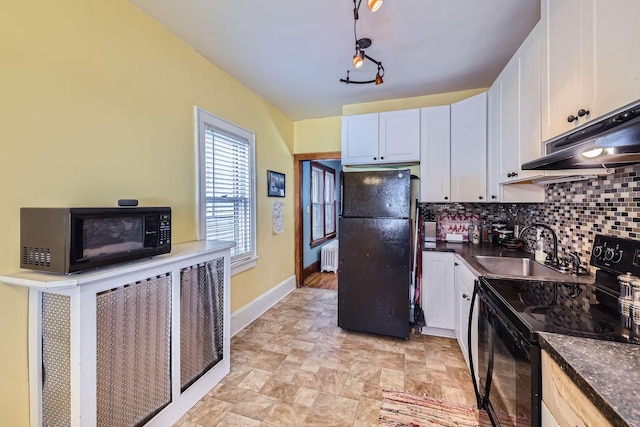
(357, 61)
(374, 4)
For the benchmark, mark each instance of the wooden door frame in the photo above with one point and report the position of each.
(298, 208)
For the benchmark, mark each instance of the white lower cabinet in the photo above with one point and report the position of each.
(438, 293)
(464, 284)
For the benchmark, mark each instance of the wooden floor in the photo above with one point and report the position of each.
(322, 281)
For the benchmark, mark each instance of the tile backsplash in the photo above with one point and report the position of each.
(577, 211)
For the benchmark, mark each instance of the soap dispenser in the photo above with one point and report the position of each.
(540, 254)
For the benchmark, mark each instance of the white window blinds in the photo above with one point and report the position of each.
(229, 200)
(323, 203)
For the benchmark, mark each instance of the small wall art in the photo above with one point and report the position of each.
(275, 184)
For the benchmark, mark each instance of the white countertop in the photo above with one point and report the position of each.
(46, 280)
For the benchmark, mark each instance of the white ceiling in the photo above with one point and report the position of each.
(294, 52)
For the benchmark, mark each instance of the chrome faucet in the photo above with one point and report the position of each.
(554, 259)
(575, 261)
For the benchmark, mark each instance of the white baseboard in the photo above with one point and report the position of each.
(437, 332)
(250, 312)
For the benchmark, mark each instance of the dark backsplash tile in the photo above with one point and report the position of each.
(577, 211)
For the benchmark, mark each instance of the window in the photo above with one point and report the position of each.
(323, 203)
(226, 186)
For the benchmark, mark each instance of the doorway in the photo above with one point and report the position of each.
(300, 208)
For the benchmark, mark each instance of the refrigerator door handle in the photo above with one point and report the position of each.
(341, 192)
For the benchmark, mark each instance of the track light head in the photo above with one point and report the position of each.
(358, 60)
(374, 4)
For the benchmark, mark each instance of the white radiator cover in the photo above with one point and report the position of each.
(105, 345)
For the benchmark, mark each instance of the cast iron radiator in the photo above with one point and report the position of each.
(201, 319)
(133, 352)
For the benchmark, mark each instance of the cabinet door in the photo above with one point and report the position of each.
(563, 62)
(616, 72)
(529, 132)
(469, 149)
(399, 136)
(465, 281)
(510, 111)
(438, 290)
(435, 155)
(360, 139)
(494, 123)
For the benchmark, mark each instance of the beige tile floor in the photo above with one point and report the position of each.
(293, 366)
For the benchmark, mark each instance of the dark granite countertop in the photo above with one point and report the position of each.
(607, 372)
(469, 251)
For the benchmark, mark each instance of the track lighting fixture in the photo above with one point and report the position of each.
(362, 44)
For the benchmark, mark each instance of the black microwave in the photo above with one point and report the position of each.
(68, 240)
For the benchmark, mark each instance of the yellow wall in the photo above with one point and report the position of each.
(406, 103)
(96, 104)
(317, 135)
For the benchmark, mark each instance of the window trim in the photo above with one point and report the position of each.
(330, 236)
(201, 117)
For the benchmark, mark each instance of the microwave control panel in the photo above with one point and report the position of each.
(165, 229)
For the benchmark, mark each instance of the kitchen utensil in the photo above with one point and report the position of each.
(626, 292)
(512, 243)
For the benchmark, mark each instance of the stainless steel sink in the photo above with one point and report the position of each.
(523, 267)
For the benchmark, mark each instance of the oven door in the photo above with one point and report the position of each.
(509, 369)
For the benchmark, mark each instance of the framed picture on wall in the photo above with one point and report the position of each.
(275, 184)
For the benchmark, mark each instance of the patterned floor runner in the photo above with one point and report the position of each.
(401, 409)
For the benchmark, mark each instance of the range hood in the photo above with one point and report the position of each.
(608, 142)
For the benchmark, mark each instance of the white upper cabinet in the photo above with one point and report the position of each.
(360, 139)
(520, 135)
(514, 126)
(435, 155)
(564, 66)
(530, 133)
(469, 149)
(509, 81)
(493, 142)
(616, 73)
(381, 138)
(399, 136)
(590, 60)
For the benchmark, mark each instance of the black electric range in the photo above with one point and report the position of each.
(590, 311)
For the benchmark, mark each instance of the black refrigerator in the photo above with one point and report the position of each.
(374, 271)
